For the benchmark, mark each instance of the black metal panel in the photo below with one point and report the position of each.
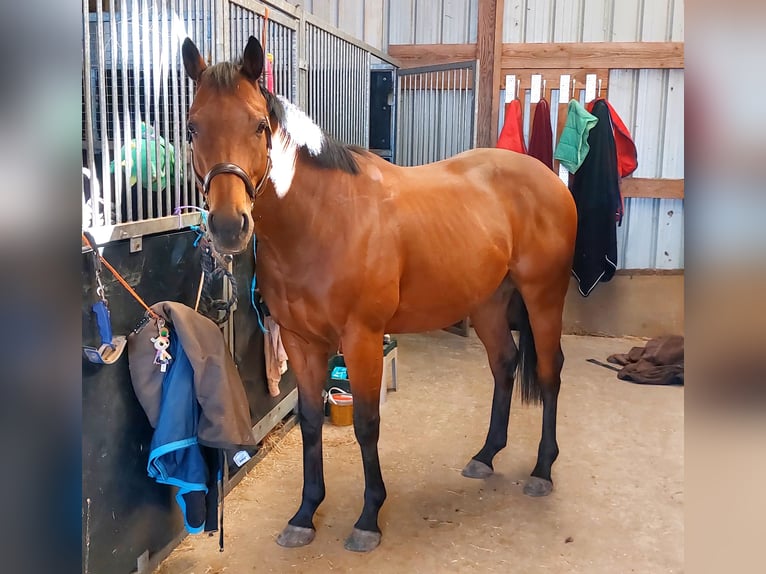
(129, 513)
(381, 112)
(248, 344)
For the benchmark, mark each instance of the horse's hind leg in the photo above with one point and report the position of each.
(491, 325)
(545, 307)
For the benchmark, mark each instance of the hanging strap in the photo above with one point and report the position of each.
(101, 307)
(103, 322)
(254, 289)
(111, 347)
(120, 278)
(224, 479)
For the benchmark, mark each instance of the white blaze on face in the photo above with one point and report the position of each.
(302, 131)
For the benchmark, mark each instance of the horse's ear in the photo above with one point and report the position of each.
(252, 61)
(193, 61)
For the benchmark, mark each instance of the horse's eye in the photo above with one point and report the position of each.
(191, 130)
(261, 127)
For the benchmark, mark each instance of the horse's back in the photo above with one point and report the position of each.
(499, 189)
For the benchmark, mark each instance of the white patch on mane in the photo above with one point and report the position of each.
(301, 131)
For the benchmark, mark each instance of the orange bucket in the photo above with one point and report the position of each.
(341, 407)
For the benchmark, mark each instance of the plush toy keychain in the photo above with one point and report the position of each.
(161, 343)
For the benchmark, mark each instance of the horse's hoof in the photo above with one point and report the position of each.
(362, 540)
(295, 536)
(476, 469)
(537, 486)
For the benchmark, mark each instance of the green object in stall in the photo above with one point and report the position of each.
(158, 175)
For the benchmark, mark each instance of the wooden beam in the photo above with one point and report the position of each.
(440, 81)
(488, 47)
(539, 56)
(656, 188)
(616, 55)
(653, 272)
(552, 76)
(414, 55)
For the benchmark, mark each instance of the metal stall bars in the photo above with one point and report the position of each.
(337, 81)
(245, 18)
(437, 112)
(136, 168)
(323, 70)
(135, 98)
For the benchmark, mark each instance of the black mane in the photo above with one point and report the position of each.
(333, 155)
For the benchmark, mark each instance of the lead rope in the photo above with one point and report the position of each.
(213, 267)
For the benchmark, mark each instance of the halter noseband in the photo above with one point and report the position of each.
(234, 169)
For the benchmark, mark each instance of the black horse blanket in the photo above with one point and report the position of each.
(596, 191)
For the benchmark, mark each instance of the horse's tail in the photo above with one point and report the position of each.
(526, 367)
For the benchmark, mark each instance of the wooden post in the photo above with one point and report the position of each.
(489, 49)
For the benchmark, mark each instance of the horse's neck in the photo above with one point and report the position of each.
(287, 221)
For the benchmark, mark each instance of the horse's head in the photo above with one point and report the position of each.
(230, 136)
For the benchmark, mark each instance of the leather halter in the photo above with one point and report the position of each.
(234, 169)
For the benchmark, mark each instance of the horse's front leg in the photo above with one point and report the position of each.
(310, 366)
(363, 353)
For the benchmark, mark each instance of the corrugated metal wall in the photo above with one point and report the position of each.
(338, 70)
(364, 19)
(432, 21)
(593, 20)
(380, 22)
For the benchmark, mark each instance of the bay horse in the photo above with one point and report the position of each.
(351, 247)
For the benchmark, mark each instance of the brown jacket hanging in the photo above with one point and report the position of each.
(224, 420)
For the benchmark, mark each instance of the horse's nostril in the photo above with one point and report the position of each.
(229, 227)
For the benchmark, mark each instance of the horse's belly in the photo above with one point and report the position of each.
(436, 298)
(421, 321)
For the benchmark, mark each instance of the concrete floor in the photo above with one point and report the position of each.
(617, 504)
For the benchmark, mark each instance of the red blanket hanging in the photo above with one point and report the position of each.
(512, 134)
